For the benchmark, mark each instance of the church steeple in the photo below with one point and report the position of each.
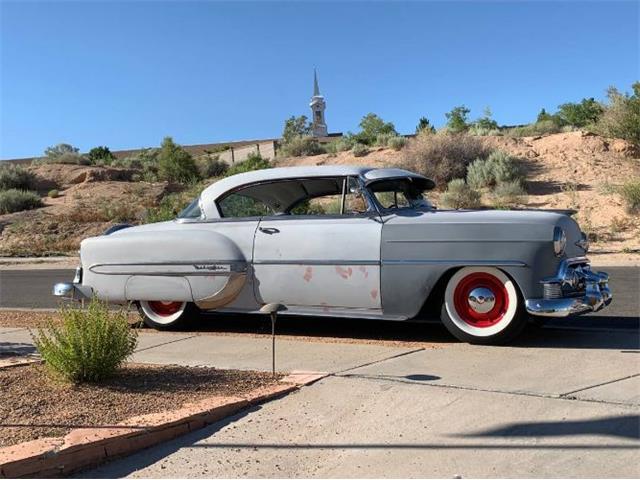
(316, 88)
(318, 125)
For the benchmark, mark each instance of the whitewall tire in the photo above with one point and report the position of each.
(164, 315)
(482, 305)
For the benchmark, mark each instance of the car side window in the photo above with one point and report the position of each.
(237, 205)
(340, 196)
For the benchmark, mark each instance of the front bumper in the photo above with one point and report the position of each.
(574, 290)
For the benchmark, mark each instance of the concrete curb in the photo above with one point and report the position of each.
(86, 447)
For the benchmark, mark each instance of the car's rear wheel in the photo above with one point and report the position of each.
(166, 315)
(482, 305)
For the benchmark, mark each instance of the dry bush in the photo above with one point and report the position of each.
(460, 195)
(360, 150)
(630, 192)
(14, 200)
(509, 194)
(442, 157)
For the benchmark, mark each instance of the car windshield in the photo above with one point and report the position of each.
(192, 211)
(399, 193)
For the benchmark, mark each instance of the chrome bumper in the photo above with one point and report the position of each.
(574, 290)
(74, 290)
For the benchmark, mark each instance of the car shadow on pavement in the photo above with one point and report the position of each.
(623, 426)
(16, 349)
(544, 337)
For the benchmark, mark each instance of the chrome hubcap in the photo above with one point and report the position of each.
(482, 299)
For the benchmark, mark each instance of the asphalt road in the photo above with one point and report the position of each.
(32, 289)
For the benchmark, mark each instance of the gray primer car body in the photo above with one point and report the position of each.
(378, 264)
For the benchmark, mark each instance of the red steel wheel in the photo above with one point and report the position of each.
(163, 314)
(481, 305)
(481, 299)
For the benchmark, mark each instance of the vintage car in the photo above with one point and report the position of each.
(345, 241)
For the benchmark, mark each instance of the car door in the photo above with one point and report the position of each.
(321, 258)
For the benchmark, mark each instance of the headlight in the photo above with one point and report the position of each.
(559, 241)
(583, 243)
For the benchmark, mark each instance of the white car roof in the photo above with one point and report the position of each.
(210, 194)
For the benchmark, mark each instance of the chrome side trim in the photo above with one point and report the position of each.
(469, 263)
(204, 268)
(316, 262)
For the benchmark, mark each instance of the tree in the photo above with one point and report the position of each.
(486, 122)
(175, 164)
(100, 155)
(587, 112)
(371, 126)
(61, 149)
(543, 116)
(425, 125)
(457, 119)
(295, 127)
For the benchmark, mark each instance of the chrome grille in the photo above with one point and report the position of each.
(552, 290)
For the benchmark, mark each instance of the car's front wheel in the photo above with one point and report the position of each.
(166, 315)
(482, 305)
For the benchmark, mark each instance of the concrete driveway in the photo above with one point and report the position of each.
(560, 403)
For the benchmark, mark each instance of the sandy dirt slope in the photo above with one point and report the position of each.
(572, 170)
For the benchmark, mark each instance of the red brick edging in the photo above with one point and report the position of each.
(85, 447)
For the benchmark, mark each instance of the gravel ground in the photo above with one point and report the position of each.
(32, 405)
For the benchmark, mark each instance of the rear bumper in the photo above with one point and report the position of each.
(574, 290)
(73, 290)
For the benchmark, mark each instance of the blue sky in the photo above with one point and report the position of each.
(125, 74)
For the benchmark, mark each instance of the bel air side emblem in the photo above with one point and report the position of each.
(212, 267)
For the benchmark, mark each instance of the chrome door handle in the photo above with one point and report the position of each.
(269, 230)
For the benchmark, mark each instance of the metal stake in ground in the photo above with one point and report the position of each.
(272, 309)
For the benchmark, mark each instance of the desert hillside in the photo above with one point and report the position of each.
(573, 170)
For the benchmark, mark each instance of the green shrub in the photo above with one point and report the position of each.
(89, 345)
(498, 167)
(397, 143)
(254, 161)
(53, 193)
(14, 200)
(301, 146)
(630, 193)
(210, 166)
(100, 156)
(175, 164)
(55, 151)
(509, 194)
(504, 168)
(481, 131)
(480, 175)
(382, 139)
(344, 144)
(543, 127)
(16, 176)
(442, 157)
(621, 118)
(360, 150)
(460, 195)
